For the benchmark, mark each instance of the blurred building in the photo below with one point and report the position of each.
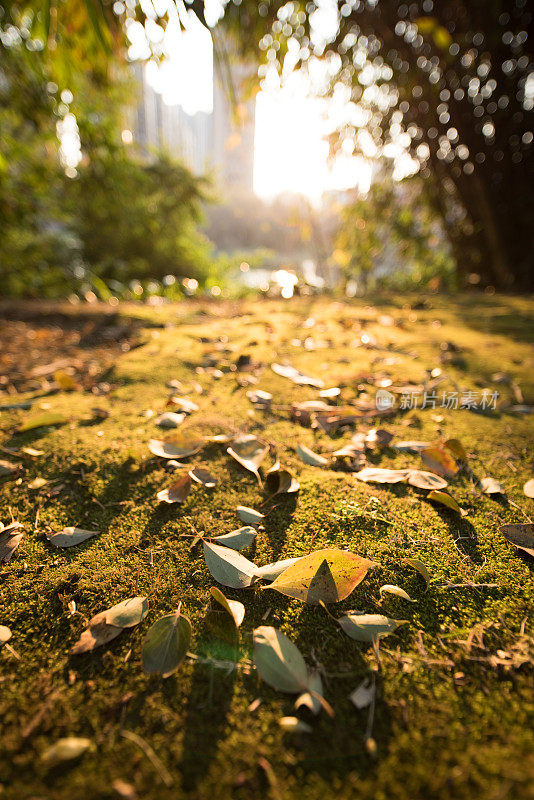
(221, 141)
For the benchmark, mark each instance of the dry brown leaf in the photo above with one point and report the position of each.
(177, 492)
(520, 535)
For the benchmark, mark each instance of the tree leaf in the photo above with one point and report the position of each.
(233, 607)
(456, 448)
(229, 567)
(445, 499)
(520, 535)
(97, 634)
(177, 447)
(8, 468)
(170, 419)
(5, 634)
(308, 699)
(166, 644)
(397, 591)
(439, 461)
(41, 421)
(410, 446)
(309, 457)
(528, 488)
(278, 661)
(184, 404)
(271, 571)
(69, 537)
(177, 492)
(203, 476)
(249, 452)
(378, 475)
(419, 567)
(237, 540)
(296, 376)
(10, 538)
(369, 627)
(491, 486)
(426, 480)
(128, 613)
(364, 694)
(294, 725)
(327, 575)
(249, 515)
(67, 749)
(280, 481)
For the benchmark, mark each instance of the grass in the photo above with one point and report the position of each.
(452, 721)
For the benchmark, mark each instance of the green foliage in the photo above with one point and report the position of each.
(392, 237)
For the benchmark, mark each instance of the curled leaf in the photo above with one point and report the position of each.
(309, 457)
(520, 535)
(166, 644)
(294, 725)
(419, 567)
(67, 749)
(177, 492)
(369, 627)
(310, 698)
(445, 499)
(5, 634)
(249, 515)
(440, 461)
(327, 576)
(491, 486)
(233, 607)
(279, 661)
(397, 591)
(280, 481)
(203, 476)
(69, 537)
(229, 567)
(10, 538)
(170, 419)
(237, 540)
(177, 447)
(49, 419)
(249, 452)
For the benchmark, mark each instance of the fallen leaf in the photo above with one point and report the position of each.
(419, 567)
(169, 419)
(411, 446)
(10, 538)
(178, 447)
(41, 421)
(31, 451)
(294, 725)
(184, 404)
(249, 515)
(296, 376)
(445, 499)
(528, 488)
(364, 694)
(69, 537)
(378, 437)
(426, 480)
(97, 634)
(378, 475)
(166, 644)
(249, 452)
(233, 607)
(271, 571)
(229, 567)
(309, 698)
(456, 448)
(65, 381)
(177, 492)
(491, 486)
(439, 461)
(8, 468)
(278, 661)
(260, 398)
(397, 591)
(237, 540)
(108, 624)
(37, 483)
(520, 535)
(329, 394)
(128, 613)
(280, 481)
(369, 627)
(203, 476)
(309, 457)
(67, 749)
(5, 634)
(327, 576)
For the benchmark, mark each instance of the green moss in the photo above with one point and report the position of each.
(448, 724)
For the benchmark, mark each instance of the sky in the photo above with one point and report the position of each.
(290, 152)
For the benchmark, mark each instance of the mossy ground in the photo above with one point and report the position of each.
(450, 723)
